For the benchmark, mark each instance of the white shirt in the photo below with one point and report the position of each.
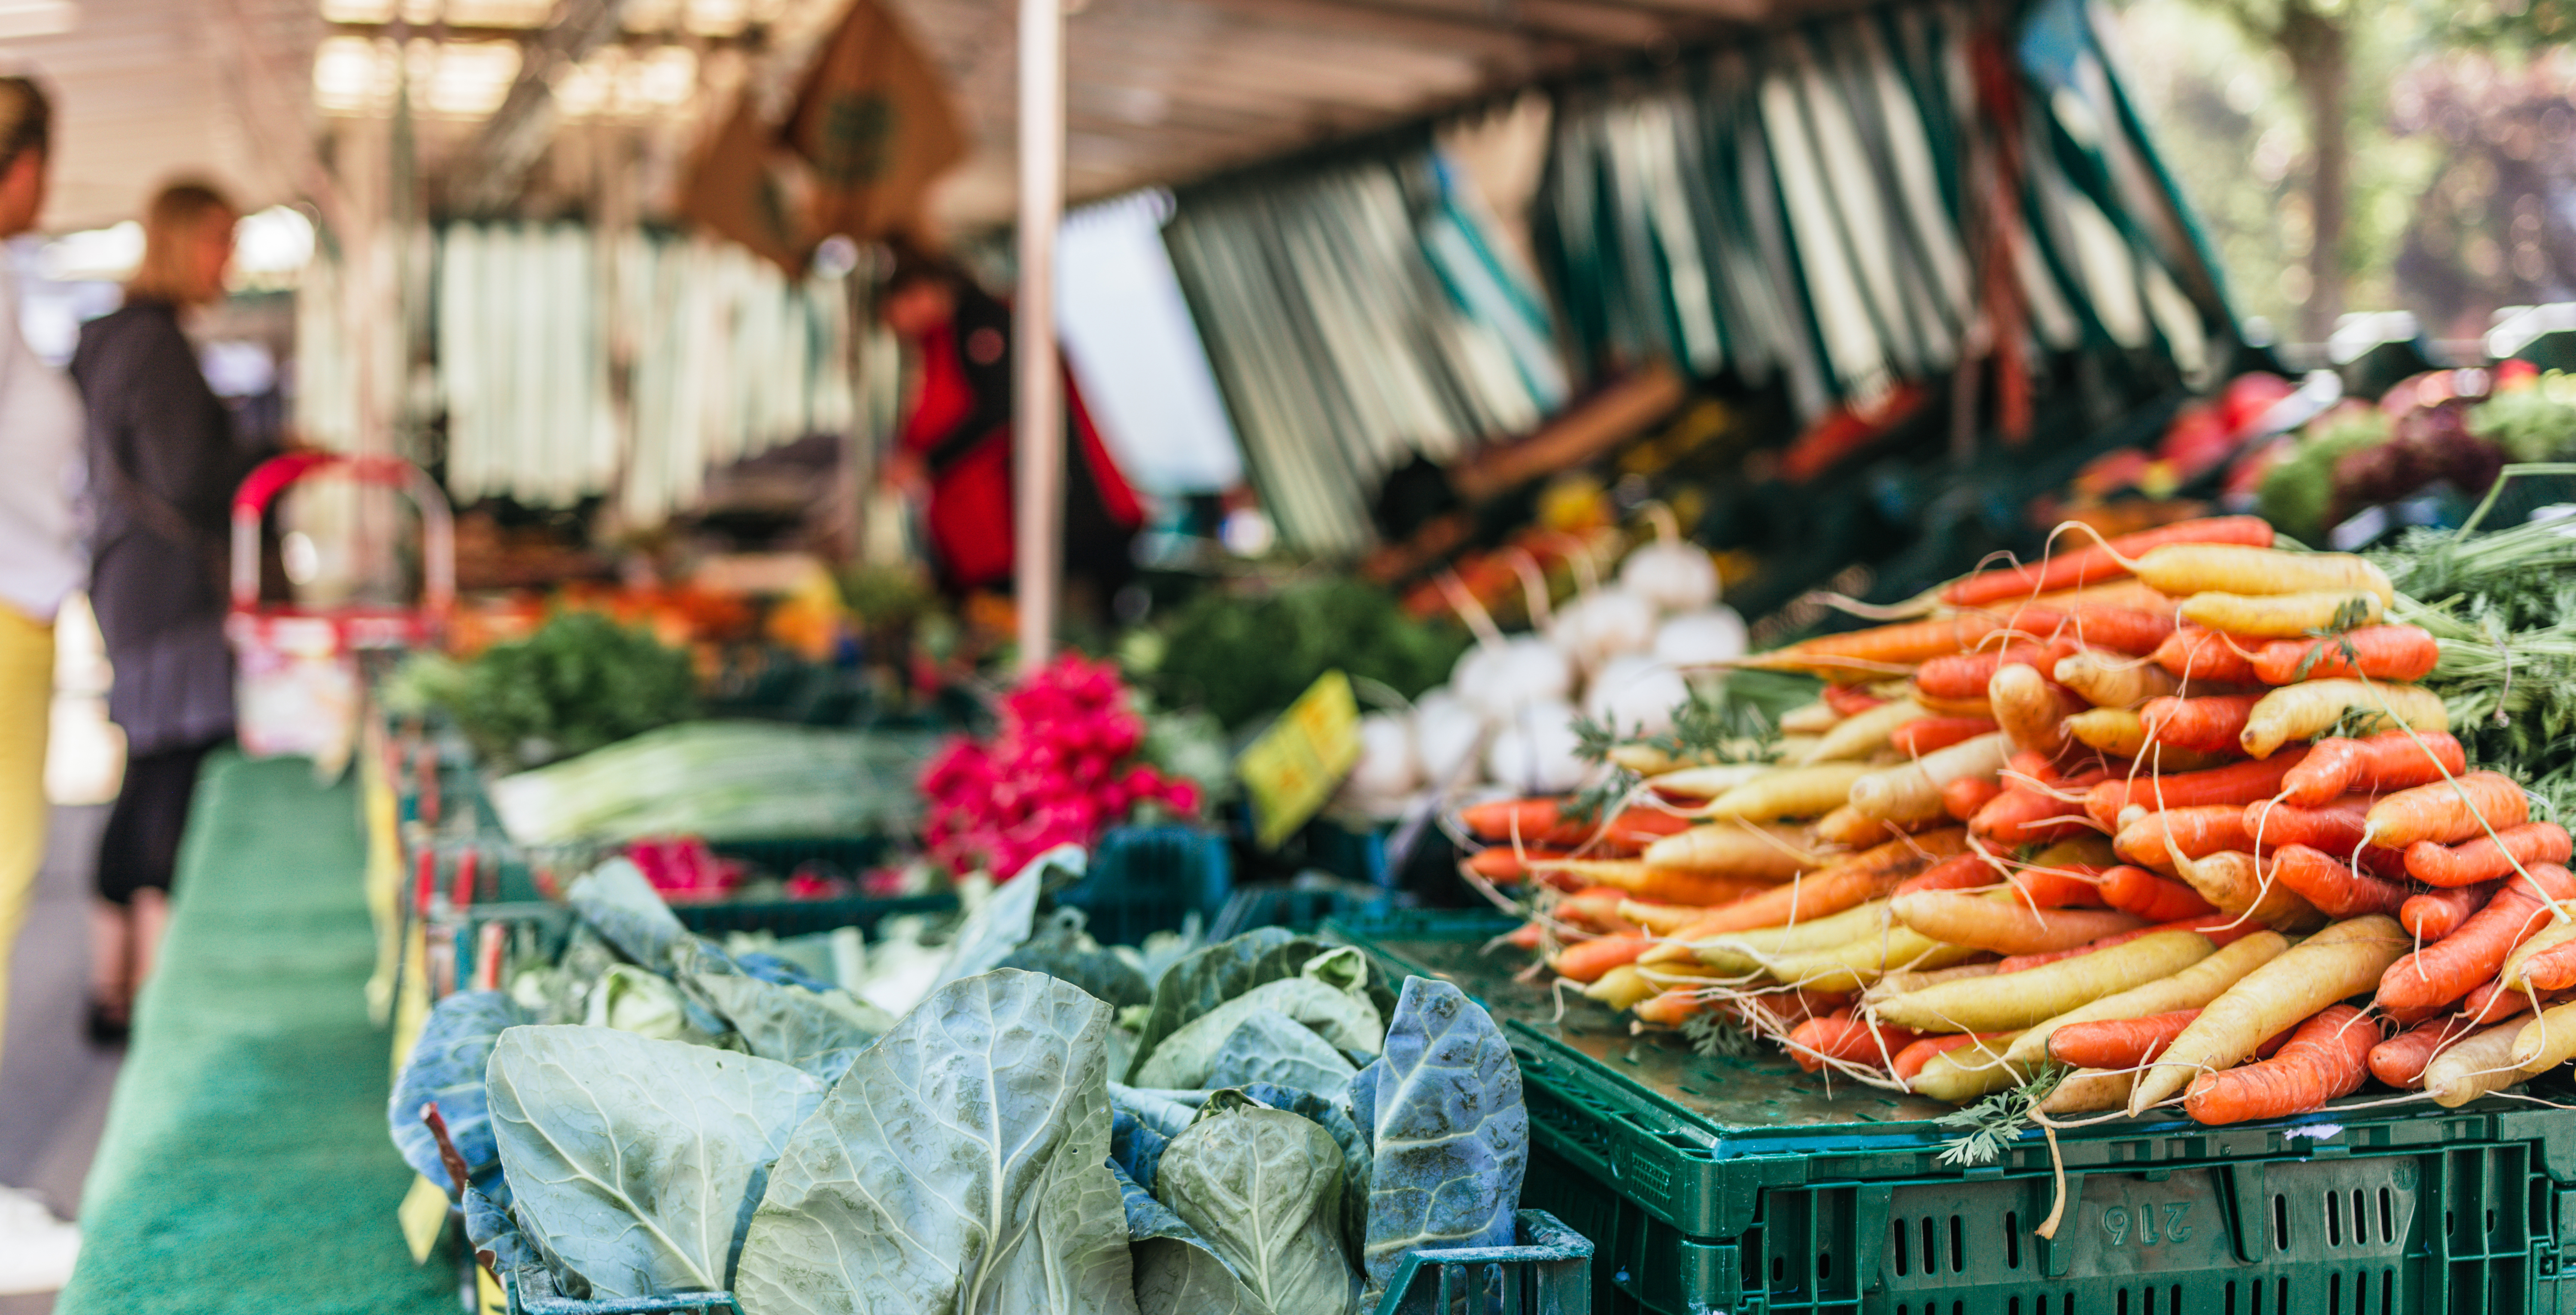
(42, 471)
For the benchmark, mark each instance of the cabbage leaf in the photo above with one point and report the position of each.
(1269, 1046)
(445, 1068)
(1207, 978)
(1264, 1187)
(789, 1023)
(1451, 1134)
(960, 1167)
(1177, 1272)
(637, 1162)
(1329, 995)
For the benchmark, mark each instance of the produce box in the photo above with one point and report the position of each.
(1745, 1185)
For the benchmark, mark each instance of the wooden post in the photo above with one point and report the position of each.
(1038, 400)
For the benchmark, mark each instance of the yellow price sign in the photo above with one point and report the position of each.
(423, 1213)
(1297, 764)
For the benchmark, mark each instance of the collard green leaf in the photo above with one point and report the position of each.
(1135, 1148)
(637, 1162)
(1166, 1112)
(1269, 1046)
(1356, 1166)
(1343, 1018)
(446, 1069)
(1177, 1273)
(495, 1236)
(1062, 950)
(1451, 1133)
(616, 899)
(1264, 1187)
(630, 999)
(788, 1023)
(961, 1167)
(1206, 979)
(996, 928)
(1363, 1094)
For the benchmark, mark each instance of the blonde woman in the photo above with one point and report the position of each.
(163, 459)
(40, 565)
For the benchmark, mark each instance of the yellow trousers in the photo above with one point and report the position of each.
(26, 717)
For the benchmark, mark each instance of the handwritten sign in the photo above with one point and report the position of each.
(1297, 764)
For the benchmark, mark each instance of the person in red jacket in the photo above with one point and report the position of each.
(955, 444)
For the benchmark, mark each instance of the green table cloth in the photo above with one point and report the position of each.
(245, 1165)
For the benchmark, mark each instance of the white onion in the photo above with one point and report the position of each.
(1529, 670)
(1674, 575)
(1388, 765)
(1446, 734)
(1537, 751)
(1694, 638)
(1635, 693)
(1601, 626)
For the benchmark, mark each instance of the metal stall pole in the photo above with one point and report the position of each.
(1037, 422)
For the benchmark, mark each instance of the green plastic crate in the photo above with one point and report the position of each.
(1745, 1185)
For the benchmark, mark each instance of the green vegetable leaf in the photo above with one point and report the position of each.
(1061, 949)
(637, 1162)
(1264, 1187)
(445, 1068)
(1997, 1121)
(1177, 1272)
(1212, 976)
(1269, 1046)
(961, 1167)
(1451, 1135)
(1718, 1036)
(1325, 997)
(788, 1023)
(615, 899)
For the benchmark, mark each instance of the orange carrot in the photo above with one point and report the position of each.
(1526, 936)
(2400, 1061)
(1860, 654)
(2236, 783)
(1543, 823)
(1865, 876)
(1924, 734)
(2483, 859)
(1501, 864)
(2454, 965)
(1964, 675)
(2449, 812)
(2199, 656)
(1850, 700)
(2405, 653)
(1506, 818)
(2374, 764)
(2326, 1060)
(2100, 560)
(1585, 961)
(2132, 889)
(2004, 925)
(2021, 816)
(2552, 969)
(2209, 724)
(1670, 1008)
(2334, 827)
(2493, 1001)
(2197, 831)
(1959, 872)
(1915, 1055)
(1636, 828)
(2068, 887)
(2133, 631)
(2336, 890)
(2437, 913)
(2117, 1042)
(1963, 797)
(1847, 1040)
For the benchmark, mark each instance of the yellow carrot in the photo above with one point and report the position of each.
(1900, 982)
(2547, 1040)
(2001, 922)
(1734, 848)
(2035, 995)
(1912, 792)
(1846, 827)
(1809, 719)
(1792, 792)
(2283, 616)
(1968, 1073)
(2191, 988)
(2086, 1090)
(1707, 781)
(2114, 682)
(1862, 734)
(2344, 959)
(2183, 569)
(2474, 1067)
(2310, 708)
(1622, 987)
(2231, 880)
(1855, 964)
(1856, 879)
(2027, 708)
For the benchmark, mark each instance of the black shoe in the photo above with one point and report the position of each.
(107, 1025)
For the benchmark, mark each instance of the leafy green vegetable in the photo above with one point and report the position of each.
(1451, 1134)
(2502, 607)
(1135, 1146)
(2298, 492)
(630, 999)
(1997, 1121)
(638, 1161)
(1264, 1187)
(1269, 1046)
(1242, 659)
(1063, 950)
(1327, 1113)
(1212, 976)
(581, 682)
(1006, 917)
(1177, 1272)
(2535, 422)
(1166, 1112)
(961, 1166)
(720, 780)
(616, 900)
(498, 1244)
(1340, 1013)
(446, 1069)
(790, 1024)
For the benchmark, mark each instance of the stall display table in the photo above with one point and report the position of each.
(245, 1165)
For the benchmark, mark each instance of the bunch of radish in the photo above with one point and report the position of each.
(2169, 813)
(1617, 653)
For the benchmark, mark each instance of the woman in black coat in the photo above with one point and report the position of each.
(164, 460)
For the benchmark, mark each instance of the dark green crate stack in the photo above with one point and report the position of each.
(1746, 1186)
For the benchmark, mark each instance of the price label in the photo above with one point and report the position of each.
(424, 1214)
(1297, 764)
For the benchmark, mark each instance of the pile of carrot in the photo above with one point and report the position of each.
(2167, 813)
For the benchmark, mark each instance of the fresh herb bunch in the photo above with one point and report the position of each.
(1244, 659)
(2534, 422)
(1718, 1036)
(1997, 1121)
(581, 682)
(2502, 607)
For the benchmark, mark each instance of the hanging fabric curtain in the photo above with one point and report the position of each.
(1357, 314)
(1802, 204)
(574, 366)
